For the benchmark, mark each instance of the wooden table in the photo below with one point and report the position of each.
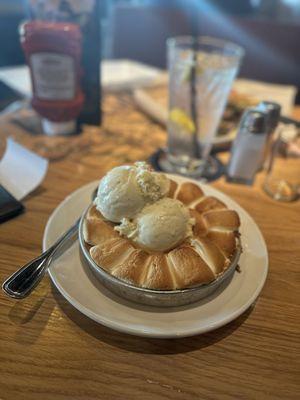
(51, 351)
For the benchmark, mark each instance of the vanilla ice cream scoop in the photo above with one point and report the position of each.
(153, 185)
(125, 190)
(160, 226)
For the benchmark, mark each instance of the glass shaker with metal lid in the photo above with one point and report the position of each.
(248, 147)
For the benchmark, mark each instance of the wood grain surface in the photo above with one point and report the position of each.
(48, 350)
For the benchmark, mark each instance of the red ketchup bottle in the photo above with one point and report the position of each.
(53, 53)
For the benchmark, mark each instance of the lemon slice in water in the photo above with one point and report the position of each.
(180, 118)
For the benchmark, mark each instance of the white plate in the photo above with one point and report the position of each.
(86, 294)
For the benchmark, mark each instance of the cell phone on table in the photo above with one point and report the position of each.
(8, 95)
(9, 206)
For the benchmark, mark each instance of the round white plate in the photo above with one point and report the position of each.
(86, 294)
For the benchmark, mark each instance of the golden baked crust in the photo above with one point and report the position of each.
(173, 188)
(222, 219)
(225, 240)
(198, 260)
(208, 203)
(188, 193)
(189, 267)
(96, 230)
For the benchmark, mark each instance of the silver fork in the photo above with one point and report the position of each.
(22, 282)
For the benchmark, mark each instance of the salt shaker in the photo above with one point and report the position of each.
(248, 147)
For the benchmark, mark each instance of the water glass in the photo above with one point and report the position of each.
(201, 73)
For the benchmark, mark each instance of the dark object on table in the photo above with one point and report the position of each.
(91, 58)
(11, 15)
(8, 95)
(9, 206)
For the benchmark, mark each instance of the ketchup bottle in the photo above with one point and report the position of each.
(53, 53)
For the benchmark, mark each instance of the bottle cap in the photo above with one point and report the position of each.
(58, 128)
(272, 111)
(255, 121)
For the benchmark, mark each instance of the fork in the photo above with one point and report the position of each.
(22, 282)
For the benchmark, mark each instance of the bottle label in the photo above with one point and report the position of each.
(53, 76)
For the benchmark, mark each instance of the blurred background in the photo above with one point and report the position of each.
(138, 29)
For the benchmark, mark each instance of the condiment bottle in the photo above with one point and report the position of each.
(248, 147)
(53, 53)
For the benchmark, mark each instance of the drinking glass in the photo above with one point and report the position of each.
(282, 181)
(201, 73)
